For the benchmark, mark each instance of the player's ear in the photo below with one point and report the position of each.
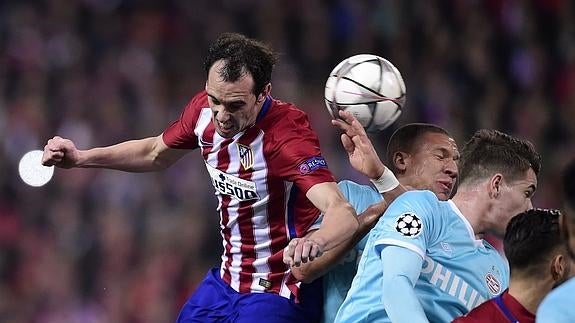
(400, 161)
(495, 185)
(560, 270)
(265, 92)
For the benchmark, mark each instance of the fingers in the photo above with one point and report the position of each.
(349, 124)
(54, 151)
(352, 121)
(51, 158)
(301, 250)
(289, 252)
(347, 143)
(342, 125)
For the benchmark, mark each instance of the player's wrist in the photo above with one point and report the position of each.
(379, 170)
(386, 182)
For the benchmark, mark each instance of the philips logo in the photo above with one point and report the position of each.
(450, 283)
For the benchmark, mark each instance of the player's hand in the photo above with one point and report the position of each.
(360, 150)
(302, 250)
(60, 152)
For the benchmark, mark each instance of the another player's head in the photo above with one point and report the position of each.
(568, 221)
(239, 71)
(535, 249)
(505, 170)
(424, 156)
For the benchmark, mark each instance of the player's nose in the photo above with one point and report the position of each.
(450, 168)
(529, 204)
(222, 115)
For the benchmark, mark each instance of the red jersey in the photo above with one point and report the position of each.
(490, 311)
(261, 177)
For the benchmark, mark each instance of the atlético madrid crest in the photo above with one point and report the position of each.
(246, 156)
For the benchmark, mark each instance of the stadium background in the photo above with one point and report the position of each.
(104, 246)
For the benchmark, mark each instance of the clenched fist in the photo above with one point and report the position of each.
(60, 152)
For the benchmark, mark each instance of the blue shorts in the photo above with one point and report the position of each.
(215, 301)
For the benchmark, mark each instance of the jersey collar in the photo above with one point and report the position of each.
(265, 108)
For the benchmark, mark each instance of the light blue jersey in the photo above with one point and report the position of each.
(557, 307)
(338, 280)
(458, 272)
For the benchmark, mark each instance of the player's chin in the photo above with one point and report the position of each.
(443, 195)
(227, 133)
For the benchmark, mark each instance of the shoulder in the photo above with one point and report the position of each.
(198, 101)
(419, 205)
(422, 198)
(486, 312)
(195, 105)
(558, 302)
(284, 116)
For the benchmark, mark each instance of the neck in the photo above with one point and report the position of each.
(529, 292)
(473, 210)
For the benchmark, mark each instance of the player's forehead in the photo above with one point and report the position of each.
(226, 91)
(431, 141)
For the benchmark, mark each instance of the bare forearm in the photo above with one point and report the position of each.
(310, 271)
(132, 156)
(339, 225)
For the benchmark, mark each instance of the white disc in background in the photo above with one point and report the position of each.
(31, 170)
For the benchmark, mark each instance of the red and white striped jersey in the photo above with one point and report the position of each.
(261, 177)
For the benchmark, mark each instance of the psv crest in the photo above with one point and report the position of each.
(493, 284)
(246, 156)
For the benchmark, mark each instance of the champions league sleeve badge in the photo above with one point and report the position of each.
(409, 225)
(311, 164)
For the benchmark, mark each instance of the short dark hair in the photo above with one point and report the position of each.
(242, 55)
(569, 189)
(491, 151)
(530, 240)
(405, 139)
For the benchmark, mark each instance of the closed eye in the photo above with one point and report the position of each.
(530, 191)
(214, 100)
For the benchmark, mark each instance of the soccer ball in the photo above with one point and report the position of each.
(369, 87)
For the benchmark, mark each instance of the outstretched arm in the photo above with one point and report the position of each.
(144, 155)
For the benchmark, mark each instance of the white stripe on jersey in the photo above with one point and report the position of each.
(204, 120)
(232, 209)
(260, 222)
(288, 186)
(284, 290)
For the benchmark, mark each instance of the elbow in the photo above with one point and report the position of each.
(157, 155)
(159, 164)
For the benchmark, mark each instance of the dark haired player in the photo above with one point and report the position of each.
(269, 176)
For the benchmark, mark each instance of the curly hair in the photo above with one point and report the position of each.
(242, 55)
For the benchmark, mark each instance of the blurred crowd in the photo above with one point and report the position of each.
(105, 246)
